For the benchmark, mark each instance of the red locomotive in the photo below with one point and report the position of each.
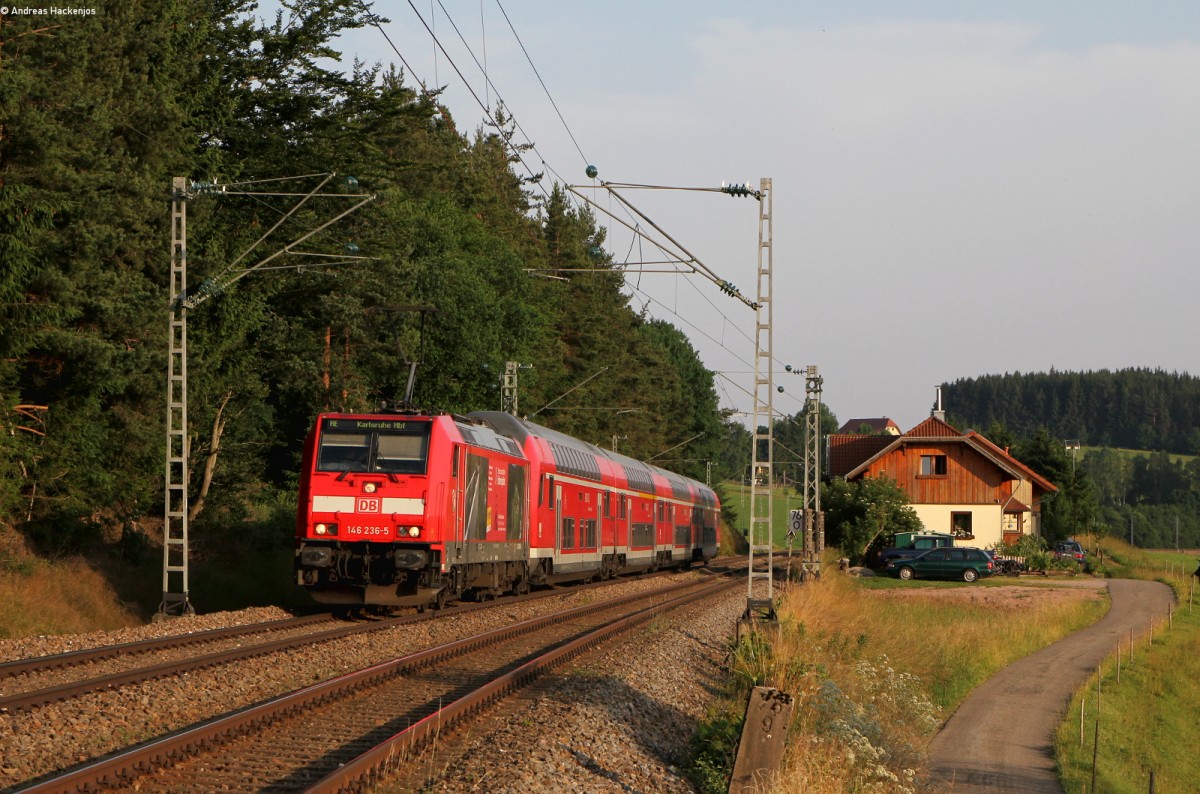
(410, 509)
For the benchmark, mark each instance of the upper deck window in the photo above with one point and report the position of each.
(381, 446)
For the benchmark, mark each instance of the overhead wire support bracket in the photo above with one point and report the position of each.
(231, 274)
(176, 512)
(686, 258)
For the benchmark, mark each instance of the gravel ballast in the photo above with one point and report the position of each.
(618, 722)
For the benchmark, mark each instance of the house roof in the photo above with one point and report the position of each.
(847, 451)
(881, 424)
(1016, 506)
(932, 429)
(979, 441)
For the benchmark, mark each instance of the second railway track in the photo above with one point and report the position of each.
(39, 740)
(35, 681)
(321, 735)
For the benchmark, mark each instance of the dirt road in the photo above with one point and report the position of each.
(1001, 739)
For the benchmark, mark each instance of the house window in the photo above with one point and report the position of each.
(960, 525)
(933, 465)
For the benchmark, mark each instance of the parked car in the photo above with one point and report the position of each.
(956, 563)
(1069, 549)
(913, 544)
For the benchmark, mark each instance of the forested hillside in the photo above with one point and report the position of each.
(1134, 408)
(99, 113)
(1147, 498)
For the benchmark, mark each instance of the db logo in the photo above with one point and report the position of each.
(368, 505)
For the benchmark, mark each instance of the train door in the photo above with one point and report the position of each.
(609, 523)
(683, 531)
(558, 520)
(625, 522)
(662, 538)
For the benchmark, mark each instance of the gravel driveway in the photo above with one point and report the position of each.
(1001, 739)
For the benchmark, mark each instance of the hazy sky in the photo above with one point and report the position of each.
(960, 188)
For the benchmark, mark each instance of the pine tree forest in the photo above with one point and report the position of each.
(99, 115)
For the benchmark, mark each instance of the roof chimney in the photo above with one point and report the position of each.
(937, 412)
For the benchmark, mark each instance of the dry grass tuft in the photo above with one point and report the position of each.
(874, 674)
(59, 597)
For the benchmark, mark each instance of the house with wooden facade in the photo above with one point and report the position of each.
(959, 483)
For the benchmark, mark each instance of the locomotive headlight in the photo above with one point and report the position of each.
(325, 529)
(414, 532)
(370, 487)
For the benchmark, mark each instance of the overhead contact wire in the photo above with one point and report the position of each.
(478, 101)
(541, 81)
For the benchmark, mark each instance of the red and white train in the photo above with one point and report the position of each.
(409, 509)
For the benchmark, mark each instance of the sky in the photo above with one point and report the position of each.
(958, 188)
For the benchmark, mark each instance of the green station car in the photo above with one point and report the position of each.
(953, 563)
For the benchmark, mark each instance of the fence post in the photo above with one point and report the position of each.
(1096, 737)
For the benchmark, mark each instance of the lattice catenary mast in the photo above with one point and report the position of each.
(814, 519)
(763, 452)
(175, 585)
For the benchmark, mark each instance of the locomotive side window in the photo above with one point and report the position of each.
(516, 502)
(476, 523)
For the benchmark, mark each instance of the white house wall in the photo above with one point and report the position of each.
(985, 521)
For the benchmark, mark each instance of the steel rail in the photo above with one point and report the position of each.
(121, 768)
(32, 699)
(57, 661)
(368, 770)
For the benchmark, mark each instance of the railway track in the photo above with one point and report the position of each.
(343, 733)
(37, 681)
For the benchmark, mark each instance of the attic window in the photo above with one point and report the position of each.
(933, 465)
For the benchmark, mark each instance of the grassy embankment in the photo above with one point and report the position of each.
(874, 674)
(783, 499)
(1147, 720)
(77, 594)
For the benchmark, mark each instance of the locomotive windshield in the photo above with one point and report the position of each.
(365, 445)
